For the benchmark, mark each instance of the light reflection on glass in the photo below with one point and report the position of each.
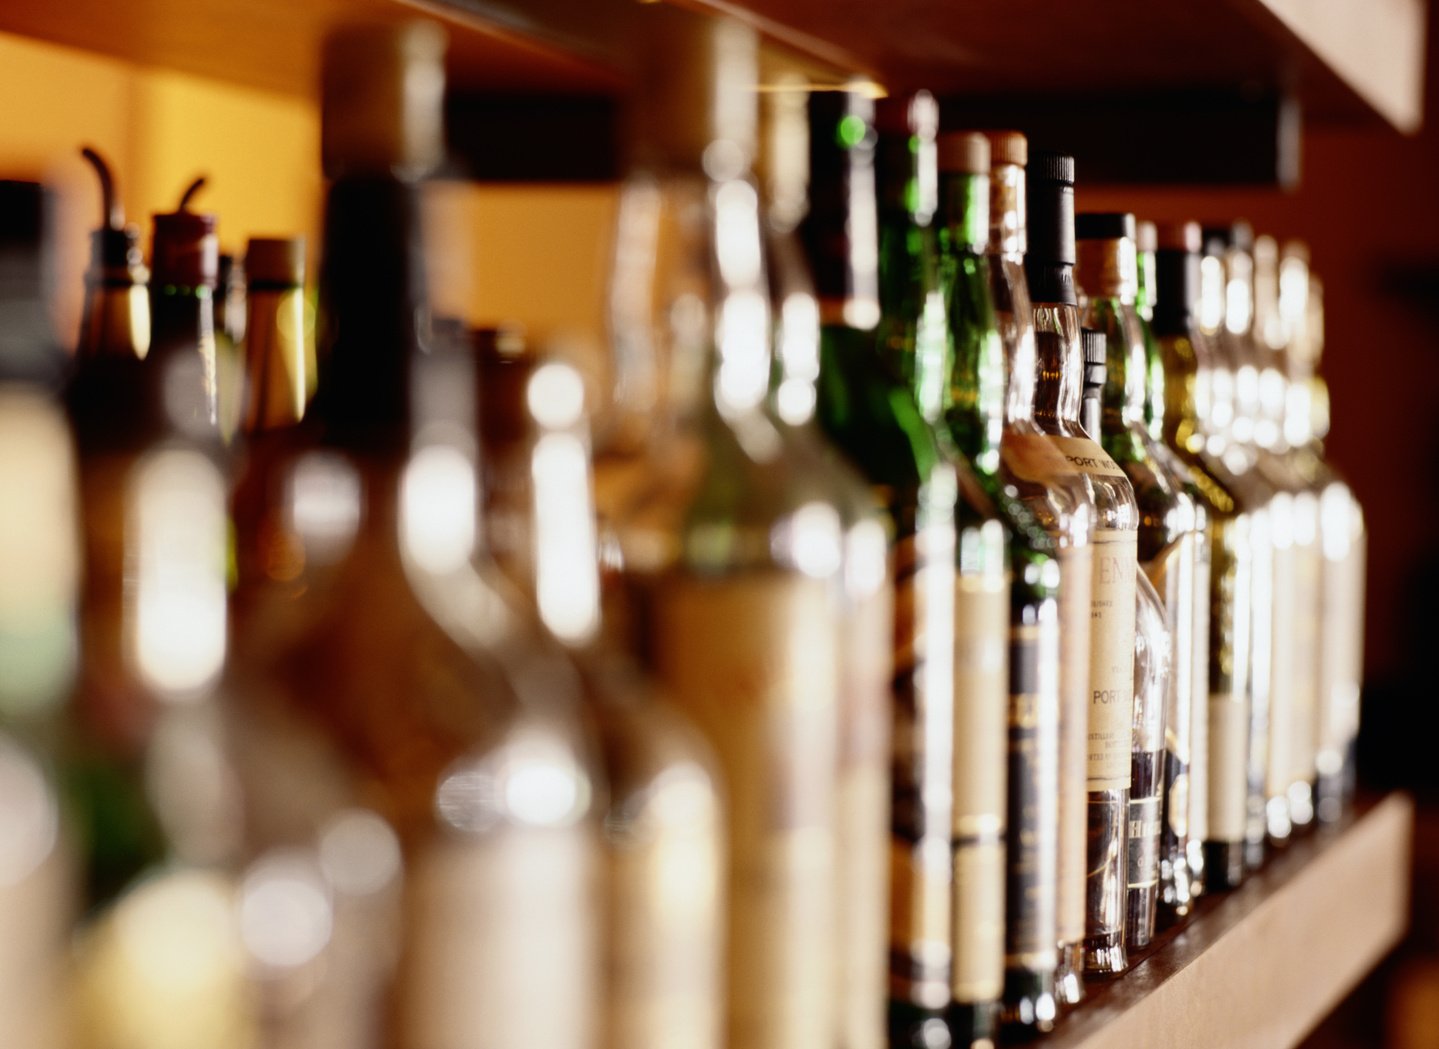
(437, 512)
(324, 504)
(799, 349)
(359, 853)
(566, 585)
(284, 909)
(177, 516)
(810, 539)
(29, 815)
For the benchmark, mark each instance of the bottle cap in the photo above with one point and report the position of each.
(1095, 365)
(382, 94)
(1049, 198)
(964, 153)
(185, 251)
(1177, 236)
(1146, 236)
(275, 261)
(1007, 147)
(1104, 225)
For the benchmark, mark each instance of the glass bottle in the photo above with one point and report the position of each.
(228, 313)
(436, 773)
(1181, 821)
(662, 814)
(1153, 653)
(916, 337)
(184, 266)
(39, 583)
(973, 415)
(116, 315)
(1300, 345)
(1057, 498)
(1110, 696)
(1233, 523)
(866, 671)
(732, 553)
(1169, 544)
(1224, 293)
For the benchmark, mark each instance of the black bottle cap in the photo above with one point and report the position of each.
(1176, 272)
(1104, 225)
(1049, 199)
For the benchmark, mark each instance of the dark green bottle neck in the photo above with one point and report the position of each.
(1176, 292)
(963, 213)
(1121, 399)
(373, 311)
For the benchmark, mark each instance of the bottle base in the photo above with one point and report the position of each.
(973, 1025)
(1029, 1006)
(1224, 864)
(1105, 955)
(915, 1027)
(1069, 977)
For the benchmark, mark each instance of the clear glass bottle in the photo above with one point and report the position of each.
(918, 284)
(1169, 543)
(732, 553)
(39, 586)
(1110, 696)
(973, 413)
(1234, 545)
(436, 778)
(1224, 293)
(1153, 654)
(1059, 499)
(866, 672)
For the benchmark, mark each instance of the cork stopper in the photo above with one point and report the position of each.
(382, 97)
(1146, 236)
(275, 261)
(964, 153)
(1008, 147)
(695, 101)
(1178, 236)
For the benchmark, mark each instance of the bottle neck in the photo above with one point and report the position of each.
(373, 311)
(1059, 364)
(1177, 292)
(116, 317)
(275, 366)
(1007, 232)
(1144, 284)
(181, 359)
(964, 213)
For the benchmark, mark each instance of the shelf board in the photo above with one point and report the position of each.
(1259, 967)
(1345, 60)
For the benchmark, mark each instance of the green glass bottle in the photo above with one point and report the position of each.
(974, 412)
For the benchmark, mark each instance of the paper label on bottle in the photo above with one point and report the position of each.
(754, 661)
(862, 866)
(981, 701)
(1228, 766)
(1199, 698)
(1033, 790)
(1087, 457)
(1076, 572)
(1111, 669)
(1282, 668)
(500, 946)
(1143, 842)
(923, 750)
(1306, 628)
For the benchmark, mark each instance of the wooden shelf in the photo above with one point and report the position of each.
(1345, 60)
(1258, 968)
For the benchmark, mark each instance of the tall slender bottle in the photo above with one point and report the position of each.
(1183, 819)
(1058, 499)
(973, 412)
(1153, 654)
(116, 316)
(869, 413)
(1232, 528)
(415, 708)
(732, 554)
(39, 585)
(1234, 387)
(1341, 531)
(184, 262)
(1110, 696)
(1168, 539)
(867, 615)
(914, 298)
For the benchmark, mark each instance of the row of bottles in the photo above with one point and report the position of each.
(944, 591)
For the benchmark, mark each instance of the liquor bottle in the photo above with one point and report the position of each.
(228, 313)
(662, 812)
(425, 728)
(116, 315)
(1059, 500)
(1342, 533)
(184, 267)
(973, 412)
(1153, 654)
(1168, 539)
(39, 577)
(915, 334)
(272, 573)
(866, 671)
(1233, 548)
(1110, 697)
(1183, 820)
(732, 552)
(1294, 527)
